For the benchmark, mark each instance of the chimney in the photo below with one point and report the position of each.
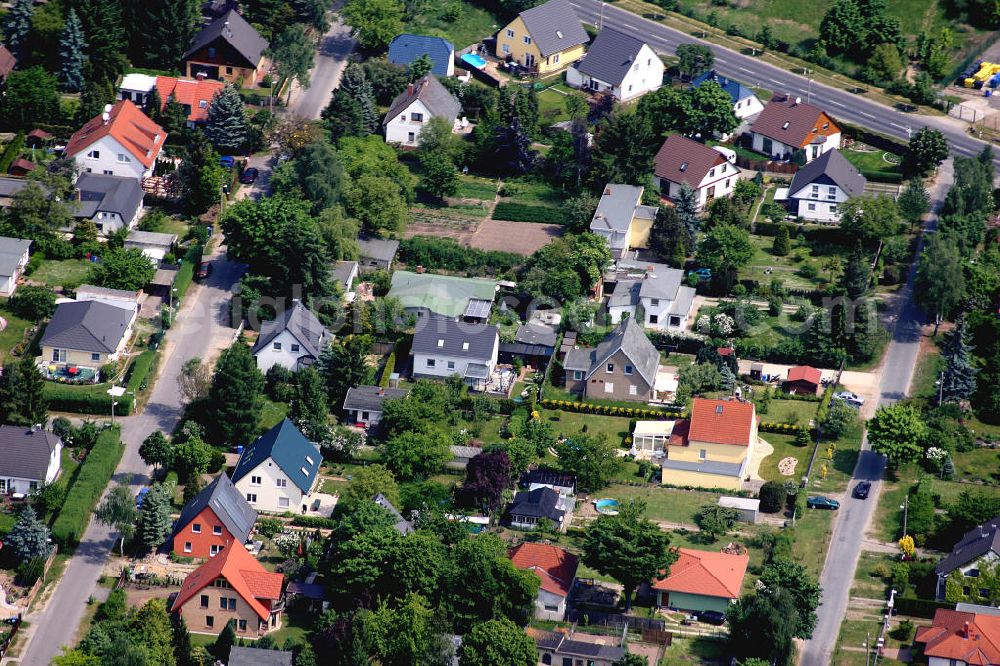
(965, 630)
(409, 90)
(798, 100)
(77, 194)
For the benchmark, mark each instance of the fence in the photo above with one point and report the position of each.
(10, 639)
(769, 166)
(29, 598)
(616, 621)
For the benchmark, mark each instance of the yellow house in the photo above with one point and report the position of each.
(87, 333)
(544, 39)
(712, 448)
(622, 220)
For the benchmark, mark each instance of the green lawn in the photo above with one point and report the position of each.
(800, 412)
(476, 187)
(568, 424)
(872, 160)
(684, 651)
(13, 333)
(471, 25)
(56, 273)
(812, 537)
(784, 447)
(552, 103)
(272, 414)
(533, 193)
(665, 504)
(764, 266)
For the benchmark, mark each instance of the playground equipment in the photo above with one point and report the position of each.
(986, 72)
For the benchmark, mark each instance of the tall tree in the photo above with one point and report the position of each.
(343, 364)
(628, 547)
(763, 625)
(686, 206)
(439, 177)
(321, 175)
(940, 277)
(17, 25)
(896, 432)
(914, 202)
(200, 175)
(154, 516)
(226, 126)
(497, 643)
(29, 537)
(30, 96)
(782, 574)
(156, 450)
(593, 459)
(514, 154)
(487, 476)
(118, 511)
(725, 249)
(694, 59)
(870, 219)
(959, 380)
(854, 282)
(711, 111)
(162, 30)
(105, 30)
(623, 150)
(668, 238)
(293, 54)
(22, 393)
(72, 56)
(236, 397)
(374, 22)
(927, 149)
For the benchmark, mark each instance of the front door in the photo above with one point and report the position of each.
(529, 60)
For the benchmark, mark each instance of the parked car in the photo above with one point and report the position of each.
(821, 502)
(712, 617)
(862, 489)
(249, 175)
(141, 496)
(204, 270)
(227, 161)
(852, 399)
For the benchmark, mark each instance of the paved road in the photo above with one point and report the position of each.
(331, 58)
(841, 104)
(855, 515)
(202, 330)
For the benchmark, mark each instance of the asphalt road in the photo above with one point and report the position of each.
(331, 58)
(854, 514)
(202, 329)
(847, 106)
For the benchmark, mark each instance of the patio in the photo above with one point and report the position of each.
(68, 373)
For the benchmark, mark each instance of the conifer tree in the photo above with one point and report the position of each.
(959, 382)
(236, 395)
(154, 516)
(782, 241)
(17, 24)
(856, 274)
(687, 209)
(105, 30)
(71, 54)
(163, 30)
(226, 127)
(29, 538)
(356, 85)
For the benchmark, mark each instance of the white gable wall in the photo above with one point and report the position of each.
(269, 494)
(719, 182)
(399, 129)
(646, 75)
(820, 203)
(281, 351)
(107, 156)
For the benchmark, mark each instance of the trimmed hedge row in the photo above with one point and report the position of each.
(920, 607)
(781, 427)
(446, 253)
(186, 272)
(86, 491)
(11, 152)
(883, 176)
(84, 399)
(314, 521)
(518, 212)
(138, 376)
(609, 410)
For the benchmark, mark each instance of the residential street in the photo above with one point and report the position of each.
(202, 330)
(840, 104)
(855, 515)
(331, 58)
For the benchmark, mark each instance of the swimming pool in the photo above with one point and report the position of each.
(475, 60)
(609, 507)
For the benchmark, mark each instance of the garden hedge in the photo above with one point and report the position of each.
(138, 374)
(674, 411)
(446, 253)
(314, 521)
(920, 607)
(91, 480)
(883, 176)
(186, 273)
(518, 212)
(11, 152)
(85, 399)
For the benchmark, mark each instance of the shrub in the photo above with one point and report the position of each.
(390, 366)
(269, 527)
(138, 374)
(91, 480)
(33, 303)
(772, 497)
(85, 399)
(11, 152)
(904, 632)
(314, 521)
(518, 212)
(446, 253)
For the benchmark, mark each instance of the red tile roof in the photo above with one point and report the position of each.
(721, 421)
(679, 435)
(725, 351)
(682, 160)
(554, 566)
(706, 573)
(804, 373)
(126, 124)
(972, 638)
(244, 573)
(7, 61)
(192, 93)
(793, 123)
(22, 164)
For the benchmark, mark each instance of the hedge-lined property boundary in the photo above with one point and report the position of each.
(86, 491)
(85, 399)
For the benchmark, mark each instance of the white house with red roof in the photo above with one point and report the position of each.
(706, 170)
(966, 637)
(231, 586)
(702, 580)
(556, 571)
(194, 95)
(122, 141)
(712, 448)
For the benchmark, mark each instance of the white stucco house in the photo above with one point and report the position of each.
(787, 126)
(13, 259)
(31, 458)
(556, 571)
(112, 202)
(363, 404)
(414, 107)
(294, 340)
(443, 348)
(279, 471)
(708, 171)
(619, 64)
(122, 141)
(653, 294)
(820, 187)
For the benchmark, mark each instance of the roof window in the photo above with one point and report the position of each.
(465, 346)
(684, 166)
(559, 34)
(785, 126)
(309, 460)
(718, 409)
(440, 342)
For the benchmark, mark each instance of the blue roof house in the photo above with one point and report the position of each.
(406, 48)
(745, 100)
(278, 472)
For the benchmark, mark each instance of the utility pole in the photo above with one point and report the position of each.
(941, 387)
(906, 509)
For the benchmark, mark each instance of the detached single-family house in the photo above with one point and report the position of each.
(654, 294)
(978, 546)
(966, 636)
(121, 141)
(294, 340)
(112, 202)
(218, 517)
(620, 64)
(231, 586)
(413, 108)
(402, 525)
(530, 506)
(344, 273)
(363, 404)
(376, 254)
(119, 298)
(31, 459)
(559, 649)
(712, 448)
(788, 125)
(534, 343)
(279, 470)
(194, 95)
(443, 296)
(556, 571)
(228, 49)
(13, 259)
(543, 39)
(405, 48)
(820, 187)
(702, 580)
(705, 170)
(745, 101)
(622, 367)
(153, 244)
(803, 379)
(443, 348)
(86, 333)
(622, 220)
(251, 656)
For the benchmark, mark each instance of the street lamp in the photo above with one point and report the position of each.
(905, 506)
(173, 290)
(115, 392)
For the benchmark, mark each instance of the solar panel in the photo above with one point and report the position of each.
(478, 308)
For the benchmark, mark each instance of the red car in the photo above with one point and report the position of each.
(204, 270)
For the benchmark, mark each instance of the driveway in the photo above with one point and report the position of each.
(331, 58)
(202, 330)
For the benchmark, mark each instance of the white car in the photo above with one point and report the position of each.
(852, 399)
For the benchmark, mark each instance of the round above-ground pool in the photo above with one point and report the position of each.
(609, 507)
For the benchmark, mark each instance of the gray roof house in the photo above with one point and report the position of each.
(559, 648)
(228, 40)
(150, 240)
(530, 506)
(443, 348)
(294, 340)
(112, 202)
(821, 186)
(8, 188)
(13, 258)
(344, 273)
(981, 543)
(86, 332)
(422, 100)
(402, 525)
(31, 458)
(652, 293)
(228, 504)
(622, 367)
(618, 63)
(554, 27)
(363, 404)
(251, 656)
(376, 253)
(622, 220)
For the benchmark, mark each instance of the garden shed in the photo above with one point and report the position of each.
(746, 507)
